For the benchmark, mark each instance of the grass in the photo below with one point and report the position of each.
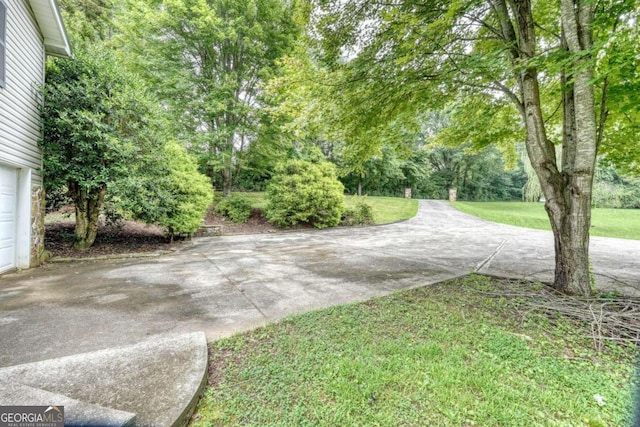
(620, 223)
(257, 199)
(443, 355)
(52, 217)
(385, 209)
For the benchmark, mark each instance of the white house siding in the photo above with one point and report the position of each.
(19, 100)
(20, 127)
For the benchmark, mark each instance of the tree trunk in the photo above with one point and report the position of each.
(227, 170)
(579, 161)
(226, 180)
(570, 223)
(359, 186)
(88, 206)
(567, 190)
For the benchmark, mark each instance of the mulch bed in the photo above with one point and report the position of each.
(133, 237)
(255, 225)
(126, 237)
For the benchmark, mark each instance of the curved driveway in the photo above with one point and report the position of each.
(225, 284)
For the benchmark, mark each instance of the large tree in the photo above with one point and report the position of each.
(92, 114)
(548, 58)
(306, 103)
(88, 20)
(103, 141)
(206, 59)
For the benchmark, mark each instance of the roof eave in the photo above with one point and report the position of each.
(49, 19)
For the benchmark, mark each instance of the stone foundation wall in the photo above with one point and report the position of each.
(38, 254)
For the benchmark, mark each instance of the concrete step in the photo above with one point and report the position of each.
(159, 380)
(77, 413)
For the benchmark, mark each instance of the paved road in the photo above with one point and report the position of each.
(221, 285)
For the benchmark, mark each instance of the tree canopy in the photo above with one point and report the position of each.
(549, 65)
(92, 116)
(105, 139)
(242, 86)
(206, 60)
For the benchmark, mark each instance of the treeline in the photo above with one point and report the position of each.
(477, 175)
(166, 101)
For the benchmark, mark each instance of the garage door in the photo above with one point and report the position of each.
(8, 204)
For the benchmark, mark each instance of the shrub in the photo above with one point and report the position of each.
(304, 191)
(361, 214)
(165, 189)
(236, 208)
(619, 196)
(191, 193)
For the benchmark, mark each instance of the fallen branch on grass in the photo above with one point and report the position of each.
(612, 318)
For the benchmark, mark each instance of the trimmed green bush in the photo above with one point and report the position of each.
(360, 214)
(305, 192)
(191, 192)
(235, 207)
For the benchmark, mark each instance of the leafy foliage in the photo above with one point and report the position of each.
(477, 174)
(531, 190)
(191, 192)
(235, 207)
(611, 190)
(360, 214)
(89, 108)
(91, 116)
(619, 83)
(388, 173)
(102, 132)
(57, 197)
(88, 20)
(305, 191)
(205, 60)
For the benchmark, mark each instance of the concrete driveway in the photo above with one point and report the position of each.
(121, 343)
(221, 285)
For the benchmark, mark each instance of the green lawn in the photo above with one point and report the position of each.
(621, 223)
(257, 199)
(443, 355)
(385, 209)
